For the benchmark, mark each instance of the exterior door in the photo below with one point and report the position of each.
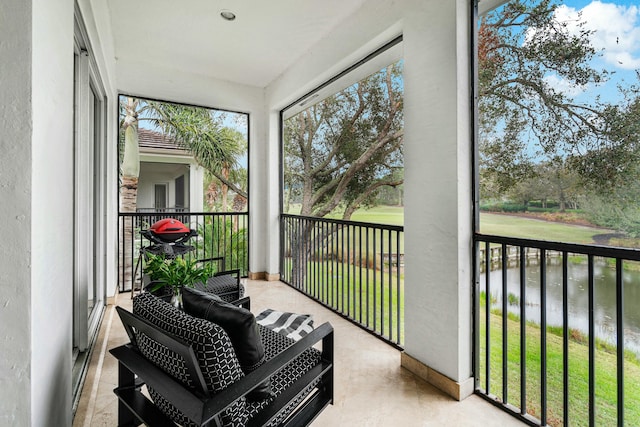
(89, 202)
(180, 199)
(160, 196)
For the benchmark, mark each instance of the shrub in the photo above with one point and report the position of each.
(513, 299)
(513, 207)
(503, 207)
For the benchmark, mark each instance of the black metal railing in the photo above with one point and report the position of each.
(354, 268)
(219, 234)
(550, 325)
(162, 210)
(156, 214)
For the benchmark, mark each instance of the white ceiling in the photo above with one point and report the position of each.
(189, 35)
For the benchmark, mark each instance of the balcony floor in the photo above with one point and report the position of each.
(371, 388)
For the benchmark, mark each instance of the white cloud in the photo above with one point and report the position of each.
(617, 30)
(563, 85)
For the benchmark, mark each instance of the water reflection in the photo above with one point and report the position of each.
(578, 297)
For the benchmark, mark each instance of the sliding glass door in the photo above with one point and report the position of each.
(89, 195)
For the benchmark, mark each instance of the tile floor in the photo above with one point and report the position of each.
(371, 388)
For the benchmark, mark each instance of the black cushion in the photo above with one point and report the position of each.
(218, 362)
(239, 324)
(211, 345)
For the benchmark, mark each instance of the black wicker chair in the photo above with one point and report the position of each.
(224, 283)
(193, 376)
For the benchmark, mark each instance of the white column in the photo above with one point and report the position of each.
(196, 188)
(438, 168)
(264, 193)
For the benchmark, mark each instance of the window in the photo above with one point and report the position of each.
(558, 105)
(89, 196)
(180, 191)
(176, 158)
(343, 160)
(160, 196)
(558, 101)
(343, 144)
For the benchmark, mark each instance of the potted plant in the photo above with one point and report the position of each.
(167, 276)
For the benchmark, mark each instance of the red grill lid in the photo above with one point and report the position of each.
(169, 226)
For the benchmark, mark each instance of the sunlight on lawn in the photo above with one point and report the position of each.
(528, 228)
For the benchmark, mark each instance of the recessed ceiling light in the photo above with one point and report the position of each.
(227, 15)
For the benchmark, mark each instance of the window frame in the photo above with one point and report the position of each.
(386, 54)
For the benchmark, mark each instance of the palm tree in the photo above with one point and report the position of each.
(228, 178)
(214, 148)
(130, 168)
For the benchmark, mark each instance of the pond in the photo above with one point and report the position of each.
(578, 297)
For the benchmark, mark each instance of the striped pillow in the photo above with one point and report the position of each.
(291, 325)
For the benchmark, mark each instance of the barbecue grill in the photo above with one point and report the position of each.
(168, 237)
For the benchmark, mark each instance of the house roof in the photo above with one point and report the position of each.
(153, 141)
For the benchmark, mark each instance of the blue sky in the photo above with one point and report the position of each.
(616, 26)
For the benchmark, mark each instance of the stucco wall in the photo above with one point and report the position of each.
(36, 186)
(52, 197)
(15, 210)
(438, 209)
(437, 161)
(37, 93)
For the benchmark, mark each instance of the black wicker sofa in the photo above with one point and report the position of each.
(194, 374)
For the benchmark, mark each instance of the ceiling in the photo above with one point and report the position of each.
(190, 35)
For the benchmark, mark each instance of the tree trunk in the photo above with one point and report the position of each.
(212, 195)
(301, 244)
(225, 189)
(129, 188)
(563, 202)
(239, 204)
(129, 194)
(128, 203)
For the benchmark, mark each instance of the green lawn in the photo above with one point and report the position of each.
(343, 289)
(390, 215)
(374, 298)
(370, 241)
(503, 225)
(527, 228)
(605, 375)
